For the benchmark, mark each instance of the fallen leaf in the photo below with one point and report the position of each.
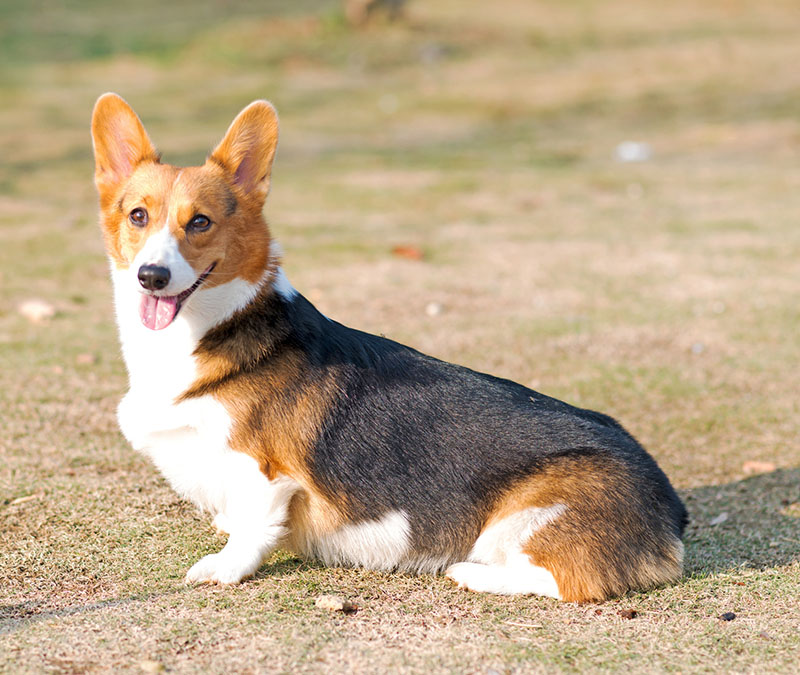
(86, 359)
(22, 500)
(628, 613)
(408, 252)
(754, 466)
(151, 667)
(721, 518)
(523, 625)
(334, 603)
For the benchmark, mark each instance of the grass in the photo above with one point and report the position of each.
(663, 292)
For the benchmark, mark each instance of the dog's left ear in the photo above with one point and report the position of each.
(249, 147)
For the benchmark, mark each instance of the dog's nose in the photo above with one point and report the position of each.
(153, 277)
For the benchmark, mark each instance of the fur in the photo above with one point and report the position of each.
(293, 430)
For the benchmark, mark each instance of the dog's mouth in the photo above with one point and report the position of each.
(159, 311)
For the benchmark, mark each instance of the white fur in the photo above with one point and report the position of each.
(506, 537)
(165, 356)
(161, 248)
(381, 544)
(188, 441)
(518, 576)
(496, 563)
(283, 286)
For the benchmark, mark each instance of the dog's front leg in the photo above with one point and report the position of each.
(256, 515)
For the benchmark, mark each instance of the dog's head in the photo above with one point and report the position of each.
(175, 232)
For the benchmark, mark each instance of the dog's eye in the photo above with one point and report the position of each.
(138, 217)
(199, 223)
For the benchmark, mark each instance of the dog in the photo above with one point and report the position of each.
(294, 431)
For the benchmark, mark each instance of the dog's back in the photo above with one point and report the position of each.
(427, 457)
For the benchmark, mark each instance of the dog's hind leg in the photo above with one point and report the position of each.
(606, 530)
(516, 576)
(497, 563)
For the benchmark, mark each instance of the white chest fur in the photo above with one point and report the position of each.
(187, 441)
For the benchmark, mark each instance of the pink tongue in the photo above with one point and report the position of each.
(158, 312)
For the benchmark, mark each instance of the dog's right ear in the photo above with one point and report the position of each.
(248, 149)
(120, 143)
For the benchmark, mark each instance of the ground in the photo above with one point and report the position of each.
(454, 181)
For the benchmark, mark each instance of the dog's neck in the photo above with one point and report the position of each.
(164, 360)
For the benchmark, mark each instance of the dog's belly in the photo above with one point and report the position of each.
(383, 543)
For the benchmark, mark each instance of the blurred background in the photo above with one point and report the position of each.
(597, 199)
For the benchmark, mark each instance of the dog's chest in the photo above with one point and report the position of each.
(187, 441)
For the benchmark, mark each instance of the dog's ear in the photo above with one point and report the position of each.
(120, 142)
(249, 147)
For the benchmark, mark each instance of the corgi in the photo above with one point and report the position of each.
(294, 431)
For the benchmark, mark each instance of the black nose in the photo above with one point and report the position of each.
(153, 277)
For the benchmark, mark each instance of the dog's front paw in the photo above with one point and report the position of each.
(217, 568)
(222, 524)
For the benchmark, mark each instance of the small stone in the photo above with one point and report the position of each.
(151, 667)
(633, 151)
(754, 466)
(334, 603)
(698, 348)
(433, 309)
(86, 359)
(36, 311)
(727, 616)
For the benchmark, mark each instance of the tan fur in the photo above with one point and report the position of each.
(230, 189)
(612, 538)
(607, 542)
(277, 414)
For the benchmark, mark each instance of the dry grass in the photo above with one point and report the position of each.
(664, 292)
